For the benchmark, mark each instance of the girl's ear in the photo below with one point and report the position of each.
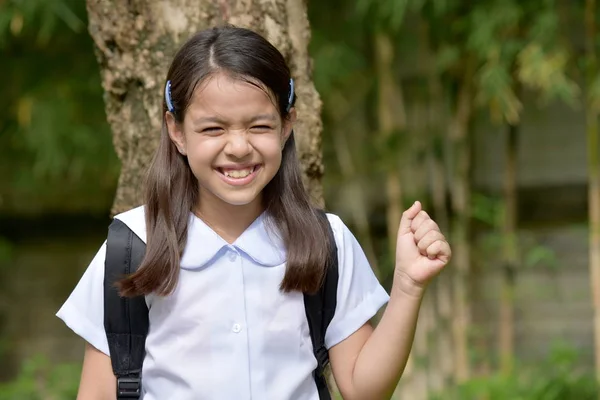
(175, 133)
(288, 126)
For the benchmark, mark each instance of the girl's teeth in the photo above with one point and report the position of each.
(241, 173)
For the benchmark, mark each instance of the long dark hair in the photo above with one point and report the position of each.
(172, 190)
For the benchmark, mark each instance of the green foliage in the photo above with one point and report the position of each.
(40, 17)
(490, 211)
(492, 26)
(387, 13)
(6, 250)
(494, 40)
(55, 144)
(540, 255)
(40, 380)
(514, 44)
(487, 209)
(389, 148)
(544, 71)
(544, 61)
(558, 377)
(337, 64)
(447, 57)
(496, 91)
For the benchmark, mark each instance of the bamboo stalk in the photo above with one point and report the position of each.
(391, 114)
(509, 254)
(461, 197)
(593, 175)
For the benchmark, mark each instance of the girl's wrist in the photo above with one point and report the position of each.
(404, 286)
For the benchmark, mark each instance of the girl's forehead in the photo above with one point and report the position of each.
(223, 89)
(226, 98)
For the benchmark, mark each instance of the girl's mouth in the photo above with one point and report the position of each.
(239, 176)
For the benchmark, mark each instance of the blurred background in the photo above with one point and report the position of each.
(485, 111)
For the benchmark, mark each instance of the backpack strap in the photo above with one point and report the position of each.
(125, 319)
(320, 309)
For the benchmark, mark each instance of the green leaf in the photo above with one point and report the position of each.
(487, 209)
(540, 255)
(496, 92)
(68, 16)
(387, 14)
(545, 71)
(447, 57)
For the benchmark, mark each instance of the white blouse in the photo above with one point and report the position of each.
(227, 331)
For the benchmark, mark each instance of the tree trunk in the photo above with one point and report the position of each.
(135, 41)
(593, 174)
(510, 254)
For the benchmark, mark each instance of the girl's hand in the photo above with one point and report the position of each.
(421, 251)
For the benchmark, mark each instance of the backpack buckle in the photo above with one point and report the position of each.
(322, 356)
(128, 388)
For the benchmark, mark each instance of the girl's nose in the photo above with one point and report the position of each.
(237, 145)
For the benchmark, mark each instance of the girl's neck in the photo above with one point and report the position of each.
(228, 221)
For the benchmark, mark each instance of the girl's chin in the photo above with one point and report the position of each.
(235, 198)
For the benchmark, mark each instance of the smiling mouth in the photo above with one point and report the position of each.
(238, 173)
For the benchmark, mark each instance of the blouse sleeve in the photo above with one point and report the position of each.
(83, 312)
(359, 293)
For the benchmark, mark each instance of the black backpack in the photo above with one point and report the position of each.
(126, 319)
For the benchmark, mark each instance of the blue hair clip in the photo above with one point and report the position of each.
(291, 97)
(168, 97)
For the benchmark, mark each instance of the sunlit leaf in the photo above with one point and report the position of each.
(546, 72)
(16, 24)
(24, 110)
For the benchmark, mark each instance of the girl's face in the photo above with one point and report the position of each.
(233, 136)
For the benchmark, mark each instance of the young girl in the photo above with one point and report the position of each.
(232, 243)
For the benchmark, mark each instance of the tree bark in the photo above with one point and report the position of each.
(135, 41)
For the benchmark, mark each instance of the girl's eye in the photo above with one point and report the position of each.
(261, 128)
(212, 129)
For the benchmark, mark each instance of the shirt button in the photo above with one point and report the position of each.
(232, 256)
(236, 328)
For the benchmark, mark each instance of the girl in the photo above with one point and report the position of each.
(232, 243)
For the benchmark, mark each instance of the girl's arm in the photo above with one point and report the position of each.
(370, 362)
(97, 379)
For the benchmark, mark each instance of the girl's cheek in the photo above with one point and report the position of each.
(268, 140)
(210, 142)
